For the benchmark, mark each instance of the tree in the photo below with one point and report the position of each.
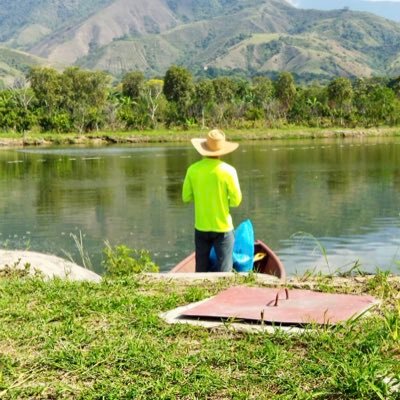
(225, 90)
(340, 95)
(361, 99)
(243, 91)
(15, 111)
(310, 106)
(394, 84)
(383, 105)
(133, 84)
(204, 98)
(18, 104)
(262, 98)
(285, 90)
(243, 101)
(178, 89)
(85, 97)
(46, 84)
(153, 96)
(263, 91)
(74, 99)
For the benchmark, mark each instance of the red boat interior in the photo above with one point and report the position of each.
(269, 263)
(266, 262)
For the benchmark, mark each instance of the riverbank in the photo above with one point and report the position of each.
(178, 135)
(84, 340)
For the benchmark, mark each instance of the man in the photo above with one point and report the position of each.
(214, 187)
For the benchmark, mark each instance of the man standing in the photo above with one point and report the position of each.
(214, 187)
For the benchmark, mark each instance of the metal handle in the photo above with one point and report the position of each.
(277, 297)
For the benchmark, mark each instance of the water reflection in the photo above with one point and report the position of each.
(344, 193)
(378, 247)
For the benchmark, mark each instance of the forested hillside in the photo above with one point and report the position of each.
(211, 37)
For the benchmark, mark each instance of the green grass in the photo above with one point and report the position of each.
(63, 340)
(180, 135)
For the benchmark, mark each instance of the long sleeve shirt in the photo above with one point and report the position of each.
(214, 187)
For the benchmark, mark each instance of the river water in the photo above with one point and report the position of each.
(322, 205)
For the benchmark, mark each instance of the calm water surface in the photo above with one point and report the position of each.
(321, 205)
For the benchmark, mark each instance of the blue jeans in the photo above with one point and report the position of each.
(223, 246)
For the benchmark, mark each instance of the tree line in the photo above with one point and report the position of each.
(78, 100)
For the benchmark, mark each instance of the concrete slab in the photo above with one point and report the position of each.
(175, 316)
(182, 315)
(283, 306)
(50, 266)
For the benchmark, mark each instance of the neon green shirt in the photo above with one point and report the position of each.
(213, 185)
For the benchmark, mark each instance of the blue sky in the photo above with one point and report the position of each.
(394, 1)
(389, 9)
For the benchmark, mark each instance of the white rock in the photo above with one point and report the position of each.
(50, 266)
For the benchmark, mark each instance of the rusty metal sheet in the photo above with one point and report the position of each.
(282, 306)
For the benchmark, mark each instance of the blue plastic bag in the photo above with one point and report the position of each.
(243, 248)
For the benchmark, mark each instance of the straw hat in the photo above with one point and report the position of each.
(214, 145)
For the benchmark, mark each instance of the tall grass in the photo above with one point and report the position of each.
(84, 256)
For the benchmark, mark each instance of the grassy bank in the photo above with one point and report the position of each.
(178, 135)
(63, 340)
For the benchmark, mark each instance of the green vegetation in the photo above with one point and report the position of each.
(67, 340)
(120, 260)
(81, 101)
(176, 135)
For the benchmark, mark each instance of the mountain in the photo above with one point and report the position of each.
(24, 22)
(15, 64)
(261, 37)
(245, 36)
(386, 9)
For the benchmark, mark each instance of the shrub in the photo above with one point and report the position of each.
(121, 260)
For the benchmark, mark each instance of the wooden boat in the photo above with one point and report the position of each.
(265, 262)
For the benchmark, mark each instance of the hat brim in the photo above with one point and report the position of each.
(201, 146)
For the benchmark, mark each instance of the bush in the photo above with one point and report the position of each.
(121, 260)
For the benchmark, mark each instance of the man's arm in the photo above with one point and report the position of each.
(187, 191)
(234, 192)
